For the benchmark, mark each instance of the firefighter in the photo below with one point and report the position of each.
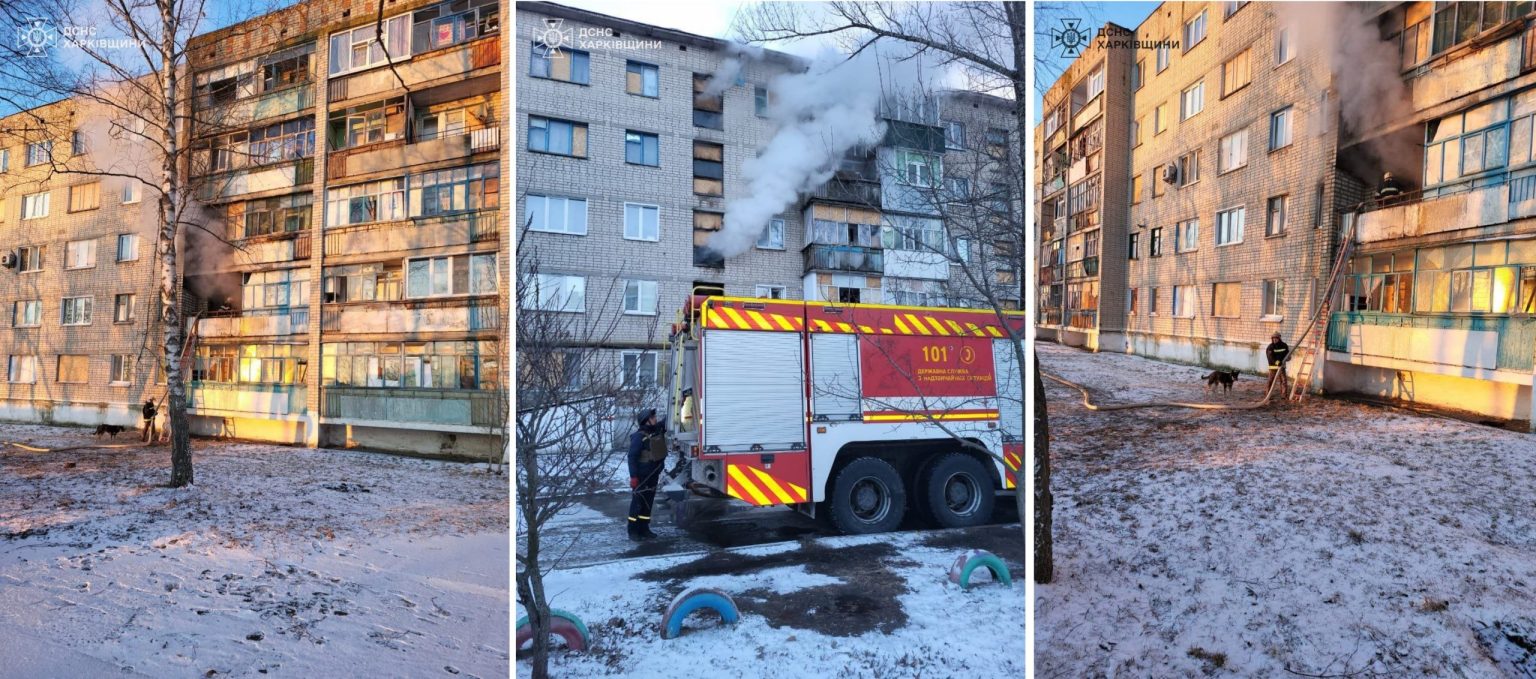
(1277, 352)
(647, 456)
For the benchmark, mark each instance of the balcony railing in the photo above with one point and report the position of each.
(449, 314)
(254, 322)
(854, 258)
(1516, 336)
(842, 190)
(461, 407)
(257, 399)
(409, 234)
(1083, 319)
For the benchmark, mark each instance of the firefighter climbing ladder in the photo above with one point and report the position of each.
(1313, 340)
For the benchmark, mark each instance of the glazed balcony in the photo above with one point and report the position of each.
(451, 62)
(1485, 201)
(393, 155)
(415, 234)
(216, 398)
(392, 407)
(253, 323)
(413, 316)
(844, 258)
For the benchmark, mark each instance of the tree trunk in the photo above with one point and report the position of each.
(530, 578)
(1044, 559)
(170, 226)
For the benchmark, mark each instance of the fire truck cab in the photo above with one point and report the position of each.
(859, 412)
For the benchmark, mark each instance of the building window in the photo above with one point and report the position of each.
(22, 369)
(35, 205)
(1285, 45)
(428, 365)
(380, 201)
(1280, 128)
(708, 168)
(1230, 7)
(363, 282)
(283, 214)
(1274, 222)
(27, 313)
(1136, 189)
(565, 64)
(705, 224)
(359, 48)
(1189, 168)
(1095, 83)
(919, 169)
(1138, 75)
(1273, 307)
(707, 110)
(954, 135)
(1233, 152)
(1152, 301)
(1184, 301)
(75, 311)
(1133, 248)
(80, 254)
(257, 363)
(132, 191)
(641, 222)
(1163, 54)
(560, 137)
(760, 101)
(770, 292)
(1237, 72)
(122, 369)
(74, 369)
(84, 197)
(124, 308)
(557, 293)
(450, 275)
(913, 233)
(1226, 300)
(1192, 101)
(1130, 303)
(450, 23)
(1456, 22)
(1136, 127)
(288, 67)
(641, 148)
(1155, 243)
(772, 237)
(365, 124)
(642, 79)
(5, 160)
(1186, 236)
(957, 188)
(640, 297)
(1415, 43)
(1160, 119)
(462, 116)
(1194, 31)
(1157, 180)
(554, 214)
(278, 289)
(1229, 226)
(39, 152)
(1474, 141)
(29, 258)
(77, 144)
(1317, 207)
(453, 190)
(639, 370)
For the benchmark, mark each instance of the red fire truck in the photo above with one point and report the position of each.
(859, 412)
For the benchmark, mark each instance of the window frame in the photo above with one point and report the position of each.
(1289, 114)
(640, 288)
(767, 229)
(529, 212)
(1224, 226)
(641, 138)
(85, 311)
(656, 209)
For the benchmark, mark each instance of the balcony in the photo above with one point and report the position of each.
(1082, 319)
(394, 155)
(279, 400)
(281, 103)
(412, 73)
(851, 189)
(415, 234)
(284, 175)
(1484, 201)
(844, 258)
(902, 134)
(253, 323)
(289, 247)
(414, 316)
(1460, 344)
(396, 407)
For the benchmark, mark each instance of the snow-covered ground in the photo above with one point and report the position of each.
(277, 562)
(1322, 539)
(857, 606)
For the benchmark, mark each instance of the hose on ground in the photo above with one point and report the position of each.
(69, 448)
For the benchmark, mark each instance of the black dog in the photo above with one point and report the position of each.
(1225, 378)
(109, 429)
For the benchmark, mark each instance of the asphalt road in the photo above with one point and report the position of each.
(599, 535)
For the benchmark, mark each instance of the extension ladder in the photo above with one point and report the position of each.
(1314, 339)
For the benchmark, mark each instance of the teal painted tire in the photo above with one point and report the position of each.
(967, 563)
(698, 598)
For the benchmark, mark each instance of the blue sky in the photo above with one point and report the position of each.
(1091, 15)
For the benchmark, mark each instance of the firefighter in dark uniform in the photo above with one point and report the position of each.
(647, 456)
(1277, 352)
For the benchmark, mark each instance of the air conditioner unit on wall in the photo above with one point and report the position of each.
(9, 260)
(1171, 174)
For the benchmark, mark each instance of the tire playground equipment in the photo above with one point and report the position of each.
(695, 599)
(967, 563)
(566, 625)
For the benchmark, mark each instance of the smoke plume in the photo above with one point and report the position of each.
(725, 76)
(820, 115)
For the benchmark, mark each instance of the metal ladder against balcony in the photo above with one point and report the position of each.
(1314, 339)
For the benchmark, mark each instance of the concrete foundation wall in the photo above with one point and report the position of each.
(80, 414)
(287, 432)
(1495, 399)
(1242, 356)
(409, 441)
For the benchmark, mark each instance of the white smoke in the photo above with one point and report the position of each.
(729, 70)
(820, 114)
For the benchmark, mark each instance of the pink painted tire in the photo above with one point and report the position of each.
(565, 625)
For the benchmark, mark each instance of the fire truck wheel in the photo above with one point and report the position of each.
(868, 496)
(957, 491)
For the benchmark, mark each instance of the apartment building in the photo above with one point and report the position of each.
(1081, 213)
(357, 293)
(626, 166)
(1440, 306)
(78, 278)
